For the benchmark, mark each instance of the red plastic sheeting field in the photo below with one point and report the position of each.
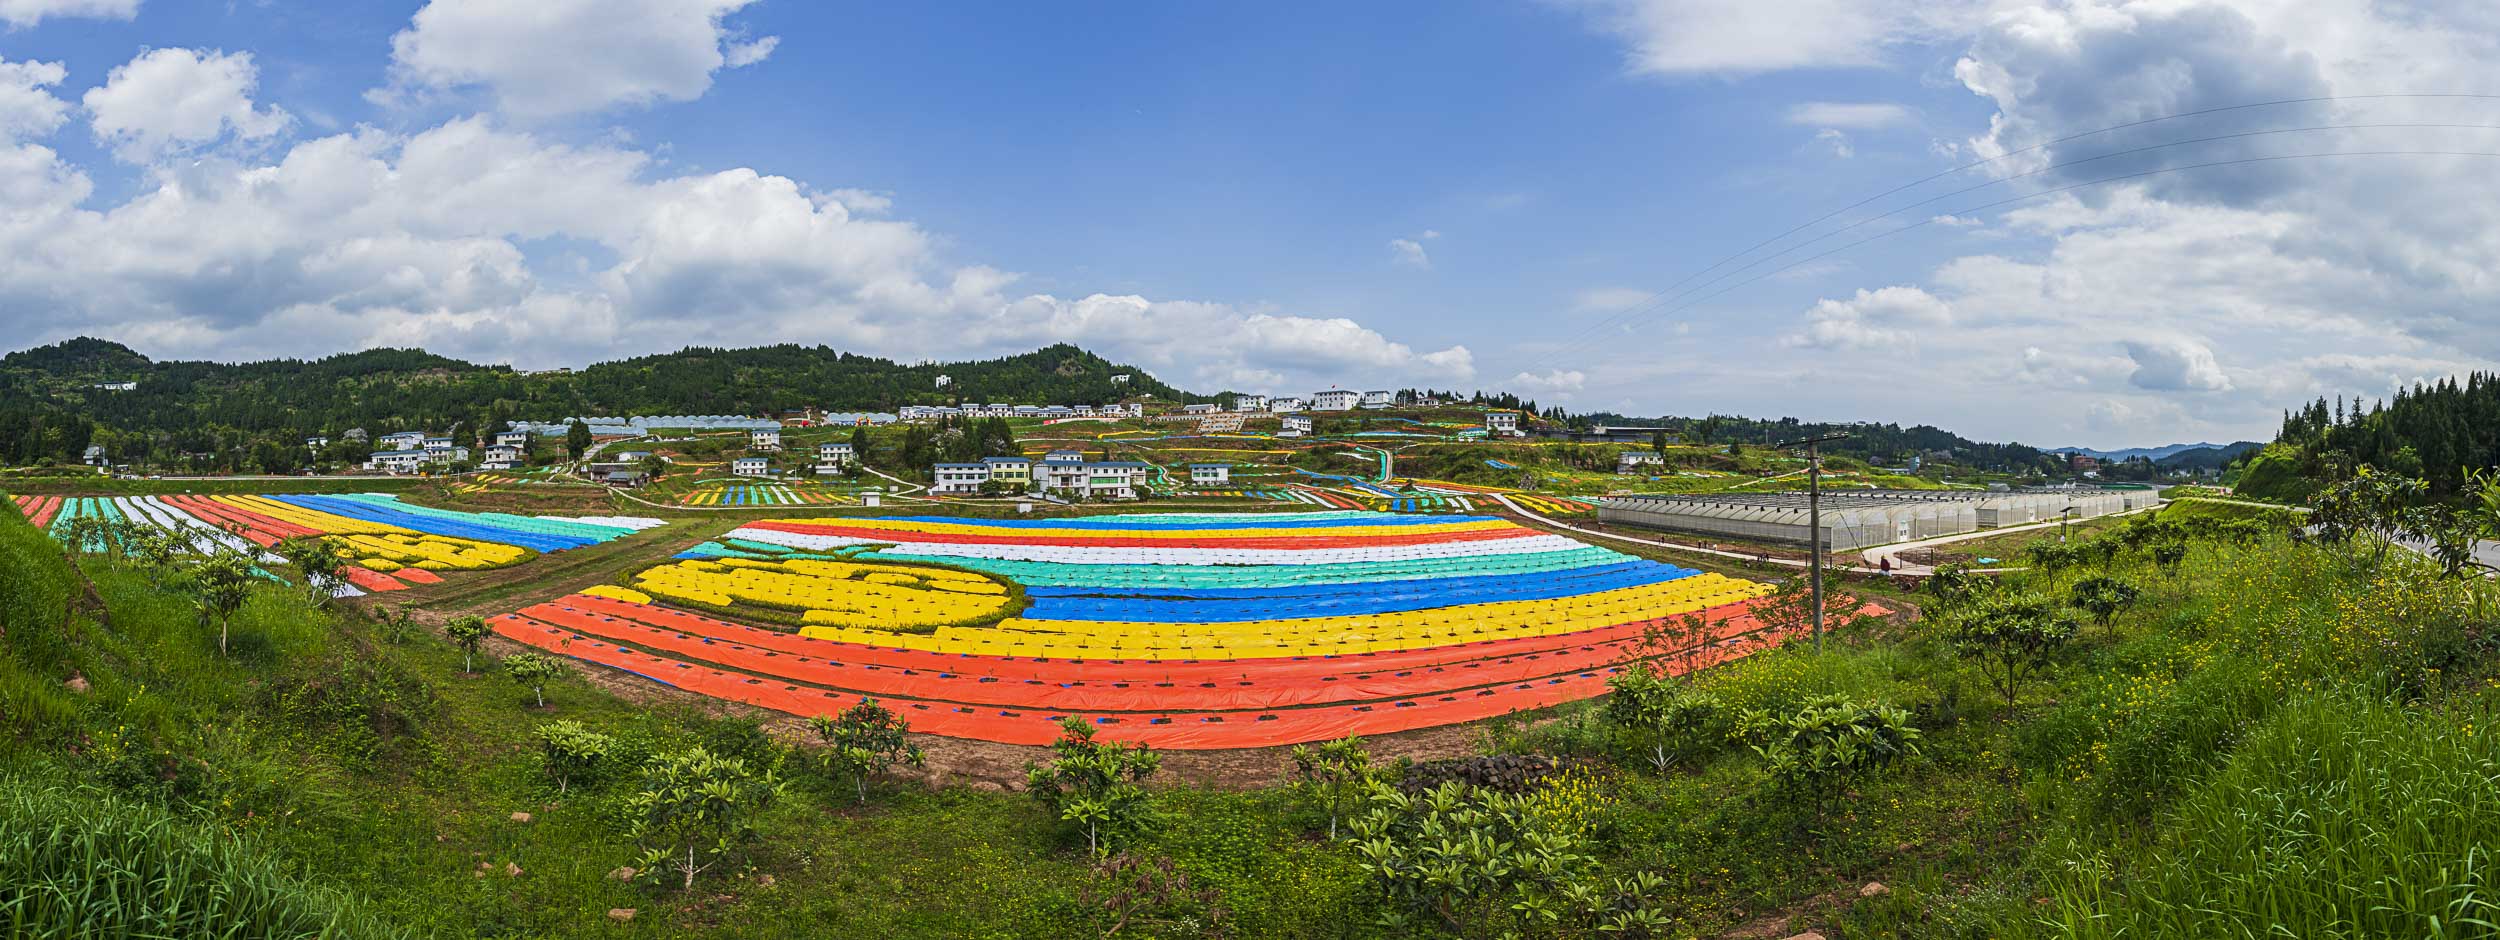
(1185, 705)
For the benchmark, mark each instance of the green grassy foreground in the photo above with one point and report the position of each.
(2270, 742)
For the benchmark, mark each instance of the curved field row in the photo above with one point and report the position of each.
(1184, 630)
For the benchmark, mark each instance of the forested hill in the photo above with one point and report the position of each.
(1884, 444)
(2438, 432)
(54, 399)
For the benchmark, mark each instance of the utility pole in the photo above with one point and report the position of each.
(1814, 524)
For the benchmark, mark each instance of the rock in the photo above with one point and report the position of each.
(1874, 889)
(622, 873)
(76, 684)
(519, 817)
(1808, 935)
(483, 865)
(620, 914)
(764, 880)
(512, 869)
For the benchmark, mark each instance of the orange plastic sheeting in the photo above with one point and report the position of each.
(1207, 539)
(39, 510)
(1361, 665)
(1185, 731)
(1108, 688)
(418, 576)
(372, 580)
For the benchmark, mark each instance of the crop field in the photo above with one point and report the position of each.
(1180, 630)
(390, 543)
(764, 494)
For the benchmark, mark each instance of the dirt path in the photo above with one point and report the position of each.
(486, 593)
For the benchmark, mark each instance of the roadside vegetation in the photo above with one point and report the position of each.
(2175, 726)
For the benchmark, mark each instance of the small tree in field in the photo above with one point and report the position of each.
(573, 752)
(865, 741)
(2104, 597)
(1334, 775)
(1814, 752)
(1668, 721)
(318, 560)
(469, 632)
(1094, 784)
(695, 810)
(533, 670)
(222, 582)
(2010, 638)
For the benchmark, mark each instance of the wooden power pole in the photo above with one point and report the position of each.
(1814, 524)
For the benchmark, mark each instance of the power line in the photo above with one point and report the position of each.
(1662, 295)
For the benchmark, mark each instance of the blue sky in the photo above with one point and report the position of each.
(1278, 197)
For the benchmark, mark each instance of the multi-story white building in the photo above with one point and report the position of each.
(1064, 456)
(438, 445)
(1210, 474)
(316, 442)
(751, 467)
(832, 456)
(512, 438)
(945, 380)
(401, 440)
(396, 461)
(764, 439)
(959, 479)
(1335, 399)
(1295, 426)
(1249, 403)
(1199, 409)
(1110, 479)
(1285, 405)
(1378, 399)
(1636, 461)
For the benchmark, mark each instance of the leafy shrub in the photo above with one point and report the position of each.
(1816, 750)
(468, 633)
(533, 670)
(367, 711)
(1476, 862)
(1094, 784)
(1667, 721)
(865, 741)
(2105, 597)
(1333, 776)
(2010, 636)
(696, 810)
(573, 753)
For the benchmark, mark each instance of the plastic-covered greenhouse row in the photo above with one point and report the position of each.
(1856, 519)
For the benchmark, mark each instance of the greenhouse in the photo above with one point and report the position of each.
(1856, 519)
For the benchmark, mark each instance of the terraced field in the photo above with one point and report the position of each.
(1182, 630)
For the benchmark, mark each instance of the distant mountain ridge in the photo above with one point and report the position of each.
(2162, 453)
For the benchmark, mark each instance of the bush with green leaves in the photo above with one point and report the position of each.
(2103, 597)
(469, 632)
(221, 583)
(1668, 721)
(534, 671)
(2010, 637)
(865, 741)
(1479, 862)
(1334, 776)
(318, 560)
(1095, 785)
(694, 811)
(573, 753)
(1815, 751)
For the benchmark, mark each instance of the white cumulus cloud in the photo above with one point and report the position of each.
(169, 100)
(20, 13)
(552, 57)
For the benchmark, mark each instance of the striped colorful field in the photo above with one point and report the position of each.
(391, 543)
(764, 494)
(1181, 630)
